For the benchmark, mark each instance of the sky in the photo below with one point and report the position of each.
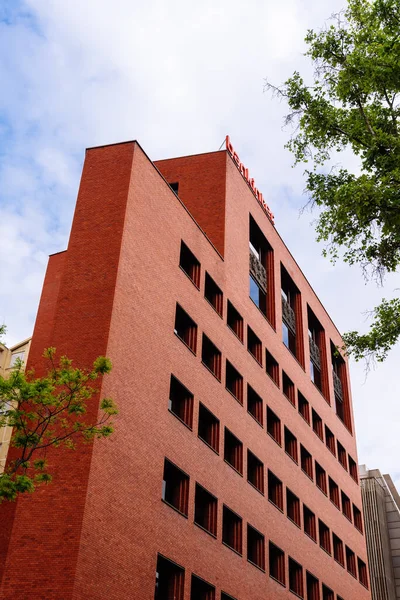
(177, 76)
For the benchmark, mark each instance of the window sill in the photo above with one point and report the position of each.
(263, 314)
(232, 467)
(289, 400)
(208, 445)
(308, 475)
(353, 575)
(296, 594)
(233, 396)
(190, 279)
(275, 440)
(334, 504)
(234, 333)
(255, 358)
(233, 549)
(321, 439)
(359, 530)
(205, 530)
(304, 419)
(339, 563)
(213, 307)
(294, 523)
(321, 490)
(209, 370)
(174, 508)
(276, 506)
(255, 418)
(262, 569)
(343, 467)
(364, 585)
(296, 462)
(295, 357)
(184, 343)
(273, 380)
(255, 487)
(311, 537)
(332, 451)
(179, 419)
(325, 550)
(282, 583)
(348, 518)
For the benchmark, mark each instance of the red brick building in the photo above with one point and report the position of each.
(232, 473)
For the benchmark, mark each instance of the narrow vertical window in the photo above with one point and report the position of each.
(320, 478)
(318, 357)
(306, 462)
(170, 580)
(255, 471)
(334, 492)
(296, 578)
(340, 387)
(351, 562)
(205, 510)
(291, 445)
(232, 530)
(201, 590)
(235, 321)
(276, 563)
(304, 407)
(213, 294)
(288, 389)
(292, 323)
(324, 537)
(211, 357)
(293, 507)
(181, 402)
(208, 430)
(274, 426)
(189, 264)
(310, 525)
(272, 367)
(353, 469)
(346, 506)
(261, 267)
(357, 518)
(234, 382)
(185, 328)
(175, 488)
(255, 405)
(330, 440)
(342, 455)
(327, 593)
(362, 573)
(233, 451)
(317, 425)
(255, 547)
(338, 552)
(225, 596)
(312, 587)
(275, 490)
(254, 345)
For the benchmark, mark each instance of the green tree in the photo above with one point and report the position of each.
(353, 103)
(49, 411)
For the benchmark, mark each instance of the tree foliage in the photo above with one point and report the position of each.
(49, 411)
(353, 103)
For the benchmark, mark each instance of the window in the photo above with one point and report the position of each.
(317, 343)
(261, 266)
(275, 490)
(320, 478)
(351, 562)
(189, 264)
(175, 488)
(276, 563)
(310, 526)
(205, 510)
(338, 552)
(317, 425)
(201, 590)
(170, 580)
(334, 493)
(208, 428)
(211, 357)
(306, 462)
(232, 530)
(185, 328)
(213, 294)
(174, 187)
(324, 537)
(233, 451)
(272, 367)
(327, 593)
(362, 572)
(15, 356)
(293, 507)
(181, 402)
(255, 471)
(292, 325)
(346, 506)
(330, 440)
(255, 405)
(274, 426)
(312, 587)
(254, 345)
(304, 407)
(291, 445)
(339, 375)
(235, 321)
(342, 455)
(234, 382)
(288, 388)
(296, 578)
(357, 518)
(225, 596)
(255, 547)
(353, 469)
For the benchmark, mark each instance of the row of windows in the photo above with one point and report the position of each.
(186, 330)
(175, 492)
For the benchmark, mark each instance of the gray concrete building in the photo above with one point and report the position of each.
(381, 507)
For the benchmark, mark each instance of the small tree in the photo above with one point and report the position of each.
(49, 411)
(353, 103)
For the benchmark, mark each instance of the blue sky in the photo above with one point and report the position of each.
(177, 77)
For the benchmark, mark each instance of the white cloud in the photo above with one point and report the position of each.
(177, 76)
